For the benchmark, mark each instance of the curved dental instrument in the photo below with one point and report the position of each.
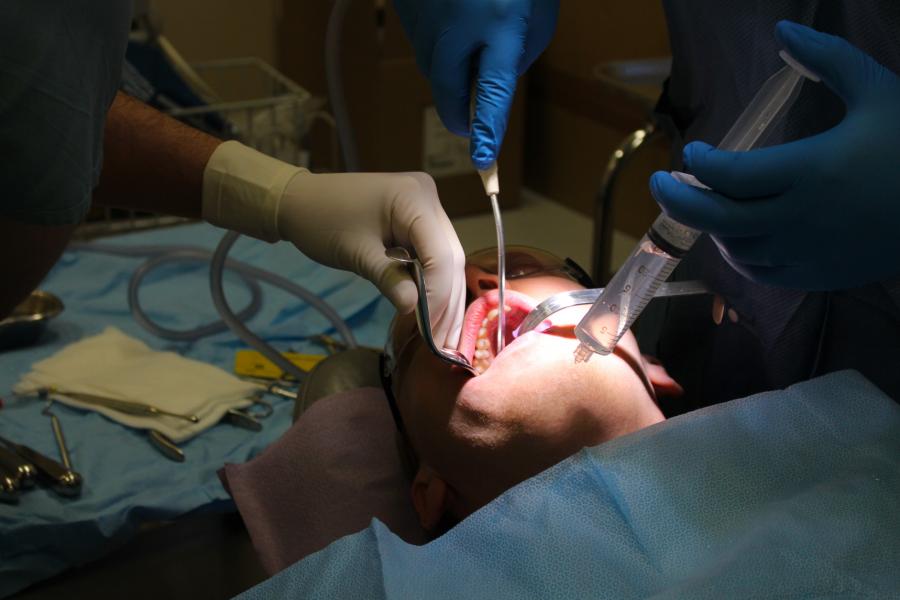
(423, 320)
(491, 180)
(564, 300)
(167, 447)
(68, 483)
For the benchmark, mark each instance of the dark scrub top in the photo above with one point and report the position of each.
(722, 51)
(60, 64)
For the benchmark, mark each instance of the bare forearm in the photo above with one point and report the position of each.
(152, 162)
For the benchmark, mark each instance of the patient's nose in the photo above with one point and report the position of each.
(480, 282)
(487, 283)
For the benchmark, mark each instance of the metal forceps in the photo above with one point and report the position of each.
(564, 300)
(423, 320)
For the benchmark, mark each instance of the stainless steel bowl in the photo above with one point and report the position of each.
(29, 319)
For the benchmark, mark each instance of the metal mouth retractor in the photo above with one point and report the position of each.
(423, 320)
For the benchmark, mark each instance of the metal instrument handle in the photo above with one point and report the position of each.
(138, 409)
(9, 487)
(239, 418)
(23, 470)
(65, 481)
(166, 446)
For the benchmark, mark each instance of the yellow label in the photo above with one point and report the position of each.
(250, 363)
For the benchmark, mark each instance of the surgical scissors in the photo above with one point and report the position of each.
(423, 320)
(564, 300)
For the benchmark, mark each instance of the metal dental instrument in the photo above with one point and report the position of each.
(166, 446)
(242, 419)
(564, 300)
(248, 417)
(64, 481)
(491, 180)
(423, 320)
(9, 487)
(667, 241)
(17, 467)
(138, 409)
(58, 434)
(277, 387)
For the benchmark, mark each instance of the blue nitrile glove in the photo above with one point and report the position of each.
(490, 42)
(818, 213)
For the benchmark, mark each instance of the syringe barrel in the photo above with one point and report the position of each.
(667, 241)
(635, 284)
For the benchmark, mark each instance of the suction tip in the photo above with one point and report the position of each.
(491, 180)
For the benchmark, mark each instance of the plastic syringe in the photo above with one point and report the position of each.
(667, 241)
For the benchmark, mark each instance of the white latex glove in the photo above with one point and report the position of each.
(346, 221)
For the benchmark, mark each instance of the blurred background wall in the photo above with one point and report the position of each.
(211, 29)
(569, 117)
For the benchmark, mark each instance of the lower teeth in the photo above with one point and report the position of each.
(483, 355)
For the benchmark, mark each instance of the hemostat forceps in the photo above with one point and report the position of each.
(564, 300)
(423, 319)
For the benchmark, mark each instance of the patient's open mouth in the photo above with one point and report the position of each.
(479, 338)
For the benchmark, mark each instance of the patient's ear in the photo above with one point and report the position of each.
(662, 382)
(429, 494)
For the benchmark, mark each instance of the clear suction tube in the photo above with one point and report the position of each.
(667, 241)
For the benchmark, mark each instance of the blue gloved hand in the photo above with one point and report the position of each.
(818, 213)
(486, 42)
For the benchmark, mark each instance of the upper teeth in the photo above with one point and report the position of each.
(483, 355)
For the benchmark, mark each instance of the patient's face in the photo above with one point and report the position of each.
(530, 408)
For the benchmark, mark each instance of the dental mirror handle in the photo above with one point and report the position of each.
(9, 487)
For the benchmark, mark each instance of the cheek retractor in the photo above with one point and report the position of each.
(423, 320)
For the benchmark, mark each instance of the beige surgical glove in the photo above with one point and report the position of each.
(346, 221)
